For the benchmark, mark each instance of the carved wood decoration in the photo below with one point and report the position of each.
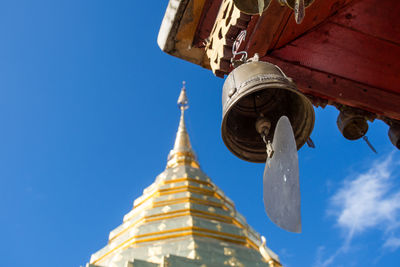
(229, 23)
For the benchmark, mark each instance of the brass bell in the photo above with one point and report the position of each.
(352, 123)
(252, 7)
(298, 6)
(257, 90)
(394, 134)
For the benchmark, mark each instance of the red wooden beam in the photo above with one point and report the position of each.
(347, 53)
(340, 90)
(373, 17)
(317, 13)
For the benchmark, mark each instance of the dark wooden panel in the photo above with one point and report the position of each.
(347, 53)
(319, 11)
(266, 28)
(341, 90)
(379, 18)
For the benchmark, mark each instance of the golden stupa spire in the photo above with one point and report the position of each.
(182, 153)
(184, 219)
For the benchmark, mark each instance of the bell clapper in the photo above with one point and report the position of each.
(270, 151)
(263, 126)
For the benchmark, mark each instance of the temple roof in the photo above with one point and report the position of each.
(184, 219)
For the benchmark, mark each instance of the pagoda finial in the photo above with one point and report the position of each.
(183, 102)
(182, 153)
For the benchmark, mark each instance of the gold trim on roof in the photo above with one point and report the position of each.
(189, 200)
(180, 232)
(183, 189)
(180, 213)
(185, 179)
(192, 189)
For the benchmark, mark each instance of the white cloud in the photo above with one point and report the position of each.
(368, 201)
(393, 243)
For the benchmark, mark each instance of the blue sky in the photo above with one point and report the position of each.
(88, 115)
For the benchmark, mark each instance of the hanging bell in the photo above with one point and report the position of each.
(260, 89)
(252, 7)
(298, 6)
(352, 123)
(394, 134)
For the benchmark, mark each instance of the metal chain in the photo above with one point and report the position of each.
(236, 45)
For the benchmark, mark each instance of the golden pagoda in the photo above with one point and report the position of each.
(184, 219)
